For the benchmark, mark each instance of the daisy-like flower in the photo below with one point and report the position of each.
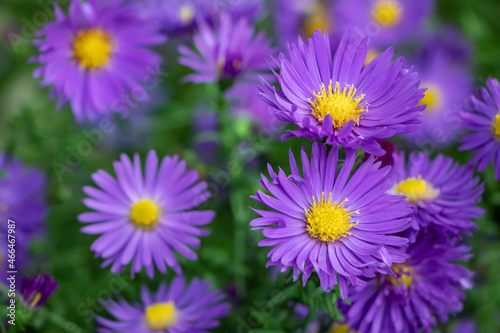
(442, 193)
(176, 308)
(386, 22)
(428, 287)
(229, 51)
(343, 227)
(97, 56)
(37, 289)
(482, 118)
(144, 218)
(336, 98)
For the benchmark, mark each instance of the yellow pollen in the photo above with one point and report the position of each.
(342, 106)
(92, 48)
(387, 13)
(145, 213)
(186, 14)
(328, 221)
(404, 275)
(160, 316)
(432, 98)
(496, 125)
(372, 54)
(416, 189)
(340, 328)
(36, 298)
(317, 18)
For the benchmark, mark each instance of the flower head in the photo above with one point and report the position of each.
(178, 307)
(482, 119)
(144, 218)
(96, 55)
(325, 221)
(37, 289)
(336, 98)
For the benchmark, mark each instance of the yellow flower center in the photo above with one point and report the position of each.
(340, 328)
(387, 13)
(342, 106)
(145, 214)
(496, 125)
(328, 221)
(160, 316)
(405, 275)
(432, 98)
(372, 54)
(92, 48)
(186, 14)
(416, 189)
(317, 19)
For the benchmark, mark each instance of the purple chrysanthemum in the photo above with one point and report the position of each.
(386, 22)
(336, 98)
(96, 56)
(37, 289)
(482, 117)
(229, 51)
(428, 287)
(143, 218)
(325, 221)
(442, 193)
(447, 85)
(176, 308)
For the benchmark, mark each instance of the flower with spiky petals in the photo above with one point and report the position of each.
(336, 98)
(229, 51)
(178, 307)
(37, 289)
(96, 56)
(482, 119)
(343, 227)
(442, 192)
(144, 218)
(428, 287)
(387, 22)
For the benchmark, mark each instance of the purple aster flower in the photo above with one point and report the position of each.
(386, 22)
(96, 56)
(144, 218)
(229, 51)
(325, 221)
(251, 10)
(335, 97)
(428, 287)
(37, 289)
(176, 308)
(386, 159)
(449, 41)
(465, 326)
(442, 193)
(482, 118)
(447, 85)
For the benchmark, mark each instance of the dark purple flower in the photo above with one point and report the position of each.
(96, 56)
(482, 119)
(450, 42)
(333, 96)
(386, 159)
(176, 308)
(339, 225)
(144, 217)
(37, 289)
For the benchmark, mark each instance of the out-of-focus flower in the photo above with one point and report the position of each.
(96, 55)
(336, 98)
(386, 159)
(428, 287)
(37, 289)
(447, 86)
(144, 218)
(229, 51)
(250, 10)
(465, 326)
(179, 307)
(386, 22)
(442, 193)
(482, 118)
(322, 220)
(448, 41)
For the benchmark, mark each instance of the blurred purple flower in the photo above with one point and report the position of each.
(37, 289)
(386, 159)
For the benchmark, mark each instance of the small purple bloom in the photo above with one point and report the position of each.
(229, 51)
(442, 193)
(341, 226)
(37, 289)
(179, 307)
(96, 56)
(386, 159)
(427, 288)
(450, 42)
(144, 218)
(333, 96)
(482, 119)
(251, 10)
